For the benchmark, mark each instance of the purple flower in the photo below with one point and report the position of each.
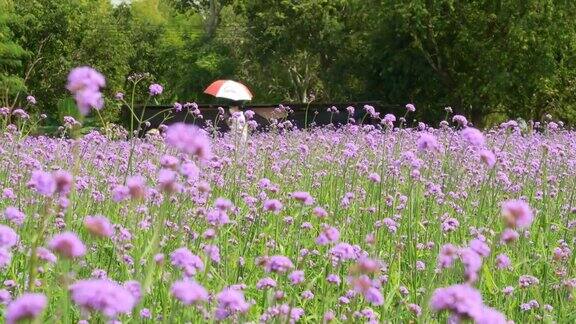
(370, 110)
(155, 89)
(145, 313)
(209, 234)
(333, 279)
(249, 114)
(159, 258)
(8, 238)
(374, 177)
(217, 217)
(189, 292)
(517, 213)
(5, 257)
(490, 316)
(303, 197)
(14, 215)
(135, 290)
(192, 106)
(461, 300)
(46, 255)
(230, 302)
(415, 309)
(83, 78)
(68, 245)
(390, 224)
(509, 235)
(307, 294)
(460, 120)
(265, 283)
(168, 181)
(342, 252)
(508, 290)
(364, 285)
(99, 226)
(529, 305)
(278, 263)
(190, 140)
(84, 83)
(450, 224)
(420, 265)
(503, 262)
(42, 182)
(473, 136)
(374, 296)
(410, 107)
(102, 295)
(273, 205)
(427, 142)
(177, 107)
(447, 256)
(8, 193)
(296, 277)
(20, 113)
(31, 100)
(63, 181)
(480, 247)
(184, 259)
(223, 204)
(26, 307)
(527, 281)
(320, 212)
(212, 252)
(87, 100)
(329, 235)
(472, 263)
(5, 297)
(190, 171)
(389, 120)
(120, 193)
(136, 187)
(488, 158)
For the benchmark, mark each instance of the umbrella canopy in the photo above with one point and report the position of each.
(229, 89)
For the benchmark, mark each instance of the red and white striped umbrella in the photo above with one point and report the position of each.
(229, 89)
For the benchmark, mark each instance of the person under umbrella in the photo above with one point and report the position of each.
(238, 93)
(237, 121)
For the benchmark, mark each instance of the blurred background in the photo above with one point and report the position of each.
(489, 60)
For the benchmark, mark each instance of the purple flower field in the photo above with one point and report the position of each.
(359, 223)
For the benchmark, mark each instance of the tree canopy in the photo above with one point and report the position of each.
(489, 60)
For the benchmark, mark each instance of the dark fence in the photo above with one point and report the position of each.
(300, 115)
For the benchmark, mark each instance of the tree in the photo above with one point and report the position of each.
(209, 10)
(173, 45)
(511, 58)
(11, 56)
(68, 33)
(290, 45)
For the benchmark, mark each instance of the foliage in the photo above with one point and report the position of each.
(512, 57)
(488, 60)
(65, 34)
(11, 56)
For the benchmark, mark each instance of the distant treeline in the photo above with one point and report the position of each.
(490, 60)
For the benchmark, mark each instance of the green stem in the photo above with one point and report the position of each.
(33, 251)
(152, 249)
